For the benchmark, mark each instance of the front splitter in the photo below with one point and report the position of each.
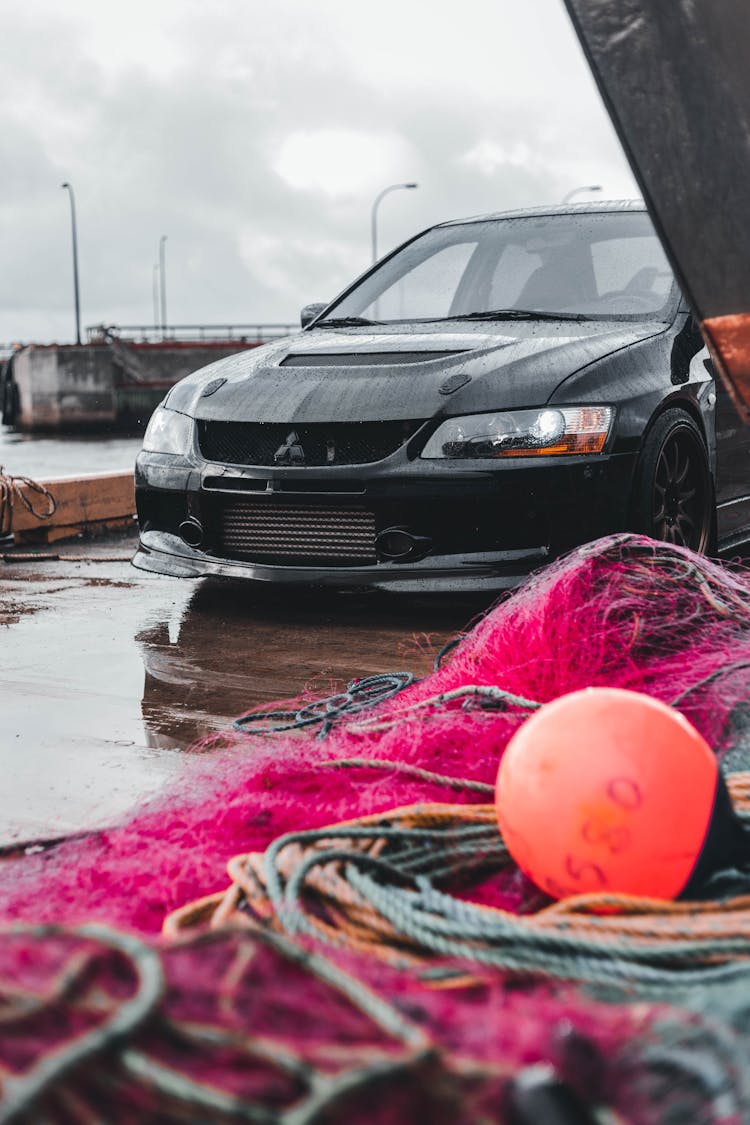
(499, 570)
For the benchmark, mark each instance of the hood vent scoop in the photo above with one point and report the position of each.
(363, 359)
(454, 382)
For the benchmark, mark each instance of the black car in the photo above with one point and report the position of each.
(494, 392)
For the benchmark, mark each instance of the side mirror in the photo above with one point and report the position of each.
(687, 343)
(309, 313)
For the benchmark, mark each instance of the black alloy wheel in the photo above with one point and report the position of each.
(675, 494)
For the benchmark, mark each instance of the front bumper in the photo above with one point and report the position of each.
(479, 526)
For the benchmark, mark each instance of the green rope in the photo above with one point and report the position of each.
(399, 884)
(359, 695)
(21, 1092)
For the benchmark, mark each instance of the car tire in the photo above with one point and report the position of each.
(673, 496)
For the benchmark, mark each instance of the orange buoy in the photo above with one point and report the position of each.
(606, 790)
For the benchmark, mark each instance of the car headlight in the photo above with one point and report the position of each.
(168, 432)
(522, 433)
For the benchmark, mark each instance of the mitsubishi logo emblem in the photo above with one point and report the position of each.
(290, 452)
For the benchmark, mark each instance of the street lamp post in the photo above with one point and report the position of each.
(163, 285)
(585, 187)
(374, 217)
(69, 188)
(155, 295)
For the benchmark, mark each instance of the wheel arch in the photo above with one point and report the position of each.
(688, 406)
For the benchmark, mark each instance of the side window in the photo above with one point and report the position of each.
(427, 290)
(514, 268)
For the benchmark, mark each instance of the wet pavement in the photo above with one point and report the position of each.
(107, 673)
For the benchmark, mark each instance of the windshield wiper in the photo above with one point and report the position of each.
(345, 322)
(518, 314)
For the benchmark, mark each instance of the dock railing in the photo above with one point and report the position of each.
(190, 333)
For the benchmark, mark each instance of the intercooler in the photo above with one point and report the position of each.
(296, 534)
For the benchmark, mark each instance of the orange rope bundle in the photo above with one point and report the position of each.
(352, 917)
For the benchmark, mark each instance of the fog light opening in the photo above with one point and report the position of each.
(399, 545)
(191, 531)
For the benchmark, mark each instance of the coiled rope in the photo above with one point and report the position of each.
(12, 491)
(382, 885)
(358, 696)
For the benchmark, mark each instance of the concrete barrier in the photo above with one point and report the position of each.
(104, 385)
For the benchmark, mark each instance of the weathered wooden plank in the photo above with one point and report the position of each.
(46, 535)
(96, 501)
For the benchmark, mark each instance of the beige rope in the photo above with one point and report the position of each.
(12, 491)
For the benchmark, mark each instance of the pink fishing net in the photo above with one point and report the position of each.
(625, 612)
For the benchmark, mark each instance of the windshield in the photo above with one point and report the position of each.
(601, 266)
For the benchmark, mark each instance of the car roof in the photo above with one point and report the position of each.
(588, 208)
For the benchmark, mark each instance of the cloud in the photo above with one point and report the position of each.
(488, 156)
(341, 162)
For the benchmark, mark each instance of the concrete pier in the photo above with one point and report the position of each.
(60, 386)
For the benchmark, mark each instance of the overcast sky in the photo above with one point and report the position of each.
(255, 135)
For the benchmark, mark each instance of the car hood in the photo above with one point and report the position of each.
(369, 375)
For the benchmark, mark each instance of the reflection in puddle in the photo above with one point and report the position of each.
(233, 648)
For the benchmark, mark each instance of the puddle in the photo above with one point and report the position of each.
(11, 612)
(237, 648)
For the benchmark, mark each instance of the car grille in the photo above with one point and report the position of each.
(286, 533)
(321, 443)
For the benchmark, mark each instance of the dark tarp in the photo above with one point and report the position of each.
(675, 76)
